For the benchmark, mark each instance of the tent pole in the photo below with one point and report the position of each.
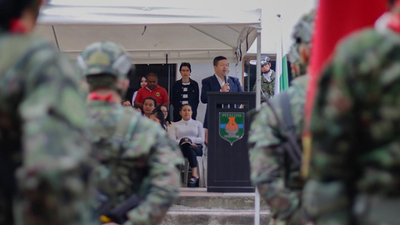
(258, 66)
(258, 105)
(169, 79)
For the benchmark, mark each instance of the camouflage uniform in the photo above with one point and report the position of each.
(280, 185)
(43, 146)
(267, 87)
(266, 161)
(355, 128)
(144, 162)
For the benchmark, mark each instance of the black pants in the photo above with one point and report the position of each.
(191, 152)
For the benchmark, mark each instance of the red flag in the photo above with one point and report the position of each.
(334, 20)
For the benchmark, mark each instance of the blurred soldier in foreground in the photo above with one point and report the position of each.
(43, 150)
(354, 173)
(137, 179)
(275, 152)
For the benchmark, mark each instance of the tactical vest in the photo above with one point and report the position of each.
(109, 147)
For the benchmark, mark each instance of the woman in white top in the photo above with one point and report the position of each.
(189, 134)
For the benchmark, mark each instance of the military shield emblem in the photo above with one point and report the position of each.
(231, 126)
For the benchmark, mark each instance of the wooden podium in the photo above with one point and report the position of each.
(228, 155)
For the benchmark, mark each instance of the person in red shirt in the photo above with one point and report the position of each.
(152, 90)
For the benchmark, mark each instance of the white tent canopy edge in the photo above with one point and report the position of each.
(152, 30)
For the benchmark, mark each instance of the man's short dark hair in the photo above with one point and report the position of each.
(187, 65)
(151, 75)
(217, 59)
(152, 99)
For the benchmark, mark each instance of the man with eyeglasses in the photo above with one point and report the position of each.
(219, 82)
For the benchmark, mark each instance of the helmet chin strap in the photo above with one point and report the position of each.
(266, 72)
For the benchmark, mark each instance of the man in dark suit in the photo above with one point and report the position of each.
(219, 82)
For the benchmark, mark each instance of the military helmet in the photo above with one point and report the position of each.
(302, 34)
(303, 30)
(265, 60)
(104, 58)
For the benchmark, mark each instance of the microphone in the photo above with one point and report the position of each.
(226, 80)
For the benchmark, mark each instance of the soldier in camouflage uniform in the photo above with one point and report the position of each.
(44, 166)
(138, 161)
(267, 79)
(272, 171)
(354, 171)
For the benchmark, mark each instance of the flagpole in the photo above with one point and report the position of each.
(279, 56)
(258, 106)
(258, 70)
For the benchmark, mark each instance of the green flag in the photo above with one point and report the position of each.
(284, 77)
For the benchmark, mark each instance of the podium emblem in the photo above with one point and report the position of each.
(231, 126)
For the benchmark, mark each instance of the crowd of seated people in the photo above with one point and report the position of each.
(184, 91)
(152, 101)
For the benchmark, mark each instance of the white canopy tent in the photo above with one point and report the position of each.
(155, 31)
(151, 30)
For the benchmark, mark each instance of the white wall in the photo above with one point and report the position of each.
(203, 70)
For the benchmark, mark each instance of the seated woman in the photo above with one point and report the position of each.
(158, 117)
(149, 105)
(189, 134)
(164, 110)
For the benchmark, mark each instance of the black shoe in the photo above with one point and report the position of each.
(194, 182)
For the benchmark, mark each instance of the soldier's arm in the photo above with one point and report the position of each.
(54, 178)
(264, 137)
(163, 176)
(327, 195)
